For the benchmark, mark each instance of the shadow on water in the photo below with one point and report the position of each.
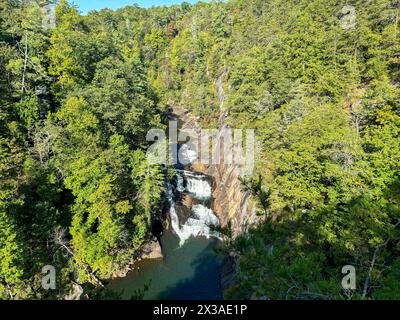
(190, 272)
(205, 282)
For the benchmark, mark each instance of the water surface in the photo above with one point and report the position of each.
(189, 272)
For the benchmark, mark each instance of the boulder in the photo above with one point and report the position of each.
(75, 293)
(152, 250)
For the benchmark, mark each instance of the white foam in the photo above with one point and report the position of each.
(180, 183)
(196, 185)
(187, 155)
(200, 224)
(205, 214)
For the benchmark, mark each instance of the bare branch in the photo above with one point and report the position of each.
(373, 261)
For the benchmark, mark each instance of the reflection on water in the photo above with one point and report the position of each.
(189, 272)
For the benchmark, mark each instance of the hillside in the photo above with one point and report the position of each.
(317, 80)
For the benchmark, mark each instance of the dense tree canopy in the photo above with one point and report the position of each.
(76, 191)
(77, 99)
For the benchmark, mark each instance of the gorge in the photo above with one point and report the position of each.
(79, 97)
(190, 269)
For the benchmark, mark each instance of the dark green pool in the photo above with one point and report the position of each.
(190, 272)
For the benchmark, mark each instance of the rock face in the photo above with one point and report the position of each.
(152, 250)
(75, 293)
(230, 203)
(228, 272)
(233, 206)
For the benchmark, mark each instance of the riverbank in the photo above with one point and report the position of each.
(188, 272)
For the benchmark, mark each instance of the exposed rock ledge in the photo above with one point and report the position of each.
(231, 204)
(152, 250)
(75, 292)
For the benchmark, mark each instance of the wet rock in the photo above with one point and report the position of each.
(122, 272)
(231, 204)
(227, 277)
(152, 250)
(75, 293)
(157, 228)
(167, 223)
(187, 201)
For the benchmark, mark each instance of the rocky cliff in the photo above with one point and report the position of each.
(233, 206)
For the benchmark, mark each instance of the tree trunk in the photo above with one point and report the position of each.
(25, 62)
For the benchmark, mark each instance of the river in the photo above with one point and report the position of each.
(191, 269)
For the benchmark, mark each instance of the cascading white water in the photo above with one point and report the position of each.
(173, 214)
(202, 221)
(196, 185)
(205, 214)
(199, 188)
(201, 224)
(187, 155)
(180, 183)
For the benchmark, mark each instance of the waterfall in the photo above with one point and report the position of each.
(199, 188)
(200, 224)
(173, 214)
(196, 184)
(180, 183)
(205, 214)
(202, 220)
(187, 155)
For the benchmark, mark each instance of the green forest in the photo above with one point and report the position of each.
(77, 99)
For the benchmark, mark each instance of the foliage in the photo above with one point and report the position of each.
(77, 100)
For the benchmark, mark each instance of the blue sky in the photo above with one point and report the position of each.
(87, 5)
